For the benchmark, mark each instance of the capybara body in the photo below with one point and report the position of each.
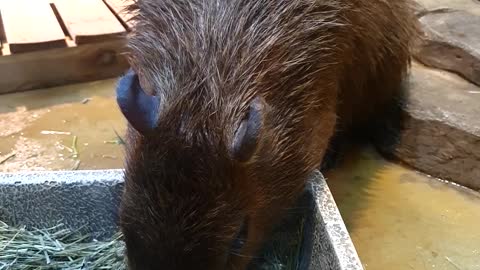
(248, 97)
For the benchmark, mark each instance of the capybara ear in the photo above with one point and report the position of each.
(245, 140)
(139, 108)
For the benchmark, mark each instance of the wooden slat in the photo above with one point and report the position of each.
(2, 33)
(118, 6)
(89, 20)
(89, 62)
(31, 26)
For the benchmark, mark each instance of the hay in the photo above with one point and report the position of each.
(284, 249)
(57, 248)
(60, 248)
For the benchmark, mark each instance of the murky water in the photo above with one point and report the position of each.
(63, 128)
(402, 220)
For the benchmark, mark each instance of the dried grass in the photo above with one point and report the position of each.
(57, 248)
(60, 248)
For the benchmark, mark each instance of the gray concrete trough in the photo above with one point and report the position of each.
(89, 200)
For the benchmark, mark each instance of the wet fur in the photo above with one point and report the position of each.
(325, 70)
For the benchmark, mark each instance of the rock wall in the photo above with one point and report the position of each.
(442, 133)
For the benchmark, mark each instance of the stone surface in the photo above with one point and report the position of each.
(451, 42)
(442, 133)
(89, 200)
(330, 235)
(78, 199)
(472, 6)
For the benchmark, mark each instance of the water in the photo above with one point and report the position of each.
(402, 220)
(85, 111)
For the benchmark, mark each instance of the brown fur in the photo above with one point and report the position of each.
(319, 66)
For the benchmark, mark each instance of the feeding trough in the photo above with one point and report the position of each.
(88, 201)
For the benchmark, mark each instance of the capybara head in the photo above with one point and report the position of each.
(230, 106)
(191, 199)
(203, 188)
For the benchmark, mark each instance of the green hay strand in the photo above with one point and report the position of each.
(57, 248)
(60, 248)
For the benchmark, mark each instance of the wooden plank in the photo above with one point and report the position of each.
(2, 33)
(89, 21)
(89, 62)
(118, 6)
(31, 26)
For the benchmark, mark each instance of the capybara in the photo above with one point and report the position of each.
(231, 105)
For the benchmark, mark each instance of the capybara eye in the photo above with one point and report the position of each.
(241, 237)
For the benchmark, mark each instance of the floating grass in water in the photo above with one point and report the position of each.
(60, 248)
(76, 165)
(74, 147)
(5, 159)
(118, 140)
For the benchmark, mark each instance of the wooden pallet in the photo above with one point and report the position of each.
(45, 43)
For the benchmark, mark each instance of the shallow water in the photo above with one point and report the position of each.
(402, 220)
(86, 111)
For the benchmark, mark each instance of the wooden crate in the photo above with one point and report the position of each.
(45, 43)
